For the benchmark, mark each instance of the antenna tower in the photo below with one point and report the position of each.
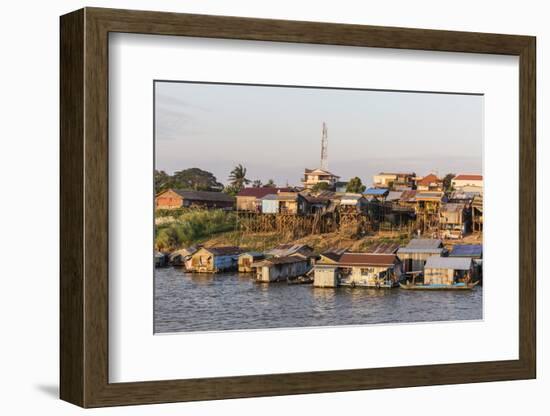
(324, 148)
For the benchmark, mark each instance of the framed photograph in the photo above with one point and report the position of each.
(254, 207)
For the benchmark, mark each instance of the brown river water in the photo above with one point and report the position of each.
(187, 302)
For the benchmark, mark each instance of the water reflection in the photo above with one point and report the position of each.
(206, 302)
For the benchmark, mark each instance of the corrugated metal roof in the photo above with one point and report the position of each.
(455, 263)
(468, 178)
(271, 197)
(224, 251)
(452, 207)
(204, 195)
(284, 250)
(367, 259)
(436, 195)
(467, 250)
(408, 196)
(254, 254)
(425, 243)
(283, 260)
(394, 195)
(384, 248)
(376, 191)
(257, 192)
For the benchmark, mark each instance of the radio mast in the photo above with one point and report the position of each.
(324, 148)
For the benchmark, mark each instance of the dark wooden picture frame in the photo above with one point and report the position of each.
(84, 207)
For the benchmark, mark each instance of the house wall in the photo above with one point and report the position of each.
(325, 277)
(246, 203)
(168, 200)
(367, 273)
(438, 276)
(270, 206)
(202, 262)
(225, 263)
(281, 272)
(466, 182)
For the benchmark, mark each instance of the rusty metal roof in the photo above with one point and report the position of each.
(204, 195)
(367, 259)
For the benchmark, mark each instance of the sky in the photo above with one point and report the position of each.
(275, 132)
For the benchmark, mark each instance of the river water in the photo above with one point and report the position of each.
(229, 301)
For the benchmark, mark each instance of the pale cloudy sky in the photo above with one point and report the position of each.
(275, 132)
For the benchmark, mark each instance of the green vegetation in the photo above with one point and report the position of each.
(192, 226)
(320, 186)
(447, 182)
(237, 180)
(355, 186)
(193, 179)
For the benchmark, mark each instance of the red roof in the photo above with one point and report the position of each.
(468, 177)
(257, 192)
(367, 259)
(426, 180)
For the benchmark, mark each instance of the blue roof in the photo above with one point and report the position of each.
(467, 250)
(376, 191)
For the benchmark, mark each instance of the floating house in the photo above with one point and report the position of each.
(471, 251)
(369, 270)
(417, 252)
(278, 269)
(183, 256)
(177, 198)
(215, 259)
(250, 199)
(246, 260)
(313, 177)
(161, 259)
(447, 270)
(326, 272)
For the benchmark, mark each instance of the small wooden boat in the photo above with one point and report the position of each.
(454, 286)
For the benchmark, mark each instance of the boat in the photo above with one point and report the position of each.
(454, 286)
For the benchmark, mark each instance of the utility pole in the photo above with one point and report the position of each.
(324, 148)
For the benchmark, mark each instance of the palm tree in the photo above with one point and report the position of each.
(270, 184)
(237, 177)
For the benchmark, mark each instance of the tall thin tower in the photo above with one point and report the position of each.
(324, 148)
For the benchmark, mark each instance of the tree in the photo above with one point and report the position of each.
(320, 186)
(270, 184)
(355, 186)
(448, 182)
(195, 179)
(162, 180)
(257, 183)
(237, 177)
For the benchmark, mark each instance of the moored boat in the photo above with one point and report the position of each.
(453, 286)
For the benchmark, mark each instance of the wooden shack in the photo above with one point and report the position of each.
(250, 199)
(178, 198)
(182, 257)
(279, 269)
(415, 254)
(291, 203)
(215, 259)
(270, 204)
(246, 260)
(453, 220)
(447, 270)
(474, 252)
(326, 269)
